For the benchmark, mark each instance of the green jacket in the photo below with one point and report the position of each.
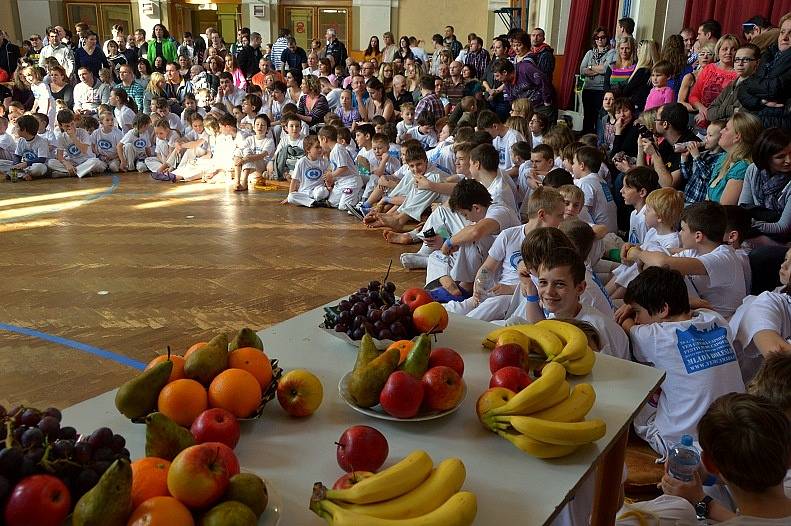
(168, 51)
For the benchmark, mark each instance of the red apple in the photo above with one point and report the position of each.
(42, 500)
(300, 392)
(513, 378)
(447, 357)
(216, 425)
(402, 395)
(431, 317)
(415, 297)
(348, 480)
(361, 448)
(443, 388)
(228, 456)
(507, 355)
(492, 398)
(199, 475)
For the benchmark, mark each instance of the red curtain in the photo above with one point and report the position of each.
(608, 15)
(731, 13)
(577, 41)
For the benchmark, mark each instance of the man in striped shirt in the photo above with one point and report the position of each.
(430, 102)
(278, 47)
(477, 57)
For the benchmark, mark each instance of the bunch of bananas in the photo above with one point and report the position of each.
(545, 419)
(558, 341)
(410, 493)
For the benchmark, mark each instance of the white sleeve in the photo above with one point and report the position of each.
(127, 138)
(769, 311)
(497, 251)
(718, 267)
(643, 342)
(299, 168)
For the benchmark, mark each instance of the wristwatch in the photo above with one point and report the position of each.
(702, 508)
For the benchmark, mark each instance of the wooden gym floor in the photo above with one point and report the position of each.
(129, 265)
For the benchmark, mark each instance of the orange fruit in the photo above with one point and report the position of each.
(403, 346)
(149, 479)
(254, 361)
(161, 511)
(182, 401)
(194, 348)
(178, 365)
(237, 391)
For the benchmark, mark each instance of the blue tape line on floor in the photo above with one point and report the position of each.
(84, 347)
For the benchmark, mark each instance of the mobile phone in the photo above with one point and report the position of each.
(429, 233)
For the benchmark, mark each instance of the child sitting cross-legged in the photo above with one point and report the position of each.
(74, 155)
(663, 209)
(307, 182)
(105, 141)
(342, 180)
(382, 168)
(694, 347)
(32, 151)
(255, 153)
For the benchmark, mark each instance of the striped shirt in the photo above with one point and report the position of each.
(620, 75)
(135, 92)
(431, 104)
(277, 51)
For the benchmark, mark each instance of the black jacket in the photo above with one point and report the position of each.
(772, 82)
(9, 57)
(248, 59)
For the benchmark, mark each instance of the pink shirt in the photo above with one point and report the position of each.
(659, 96)
(711, 81)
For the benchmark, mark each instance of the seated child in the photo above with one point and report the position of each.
(257, 150)
(406, 123)
(197, 148)
(503, 138)
(738, 225)
(637, 184)
(105, 141)
(343, 181)
(124, 110)
(520, 154)
(74, 155)
(382, 166)
(583, 237)
(251, 108)
(531, 174)
(598, 199)
(344, 137)
(289, 151)
(190, 105)
(162, 108)
(165, 158)
(136, 145)
(348, 114)
(32, 151)
(307, 184)
(692, 346)
(7, 143)
(424, 131)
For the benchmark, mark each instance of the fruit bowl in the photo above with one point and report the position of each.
(274, 510)
(380, 344)
(377, 411)
(269, 393)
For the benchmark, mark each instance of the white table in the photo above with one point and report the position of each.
(294, 453)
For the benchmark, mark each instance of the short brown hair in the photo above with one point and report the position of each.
(663, 67)
(747, 437)
(773, 380)
(572, 192)
(540, 242)
(329, 132)
(565, 257)
(309, 141)
(590, 157)
(415, 152)
(543, 198)
(580, 233)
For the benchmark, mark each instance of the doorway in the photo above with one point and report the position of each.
(100, 17)
(307, 21)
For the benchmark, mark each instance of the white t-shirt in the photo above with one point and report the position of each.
(504, 216)
(46, 104)
(175, 123)
(164, 147)
(637, 226)
(748, 271)
(652, 242)
(767, 311)
(428, 140)
(392, 165)
(30, 151)
(599, 201)
(7, 146)
(124, 116)
(503, 146)
(614, 341)
(723, 285)
(310, 174)
(71, 151)
(501, 193)
(595, 295)
(339, 156)
(140, 141)
(255, 146)
(401, 128)
(105, 143)
(700, 366)
(507, 248)
(443, 156)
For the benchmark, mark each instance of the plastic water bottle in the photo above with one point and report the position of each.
(683, 459)
(484, 283)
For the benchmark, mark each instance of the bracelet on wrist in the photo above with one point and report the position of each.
(532, 299)
(448, 243)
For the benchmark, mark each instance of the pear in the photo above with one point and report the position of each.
(109, 502)
(229, 513)
(208, 361)
(366, 384)
(416, 362)
(165, 438)
(138, 397)
(250, 490)
(246, 338)
(367, 353)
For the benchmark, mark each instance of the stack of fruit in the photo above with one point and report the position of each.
(544, 419)
(408, 493)
(45, 468)
(406, 379)
(552, 340)
(374, 309)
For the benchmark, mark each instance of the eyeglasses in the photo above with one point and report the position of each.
(744, 59)
(601, 37)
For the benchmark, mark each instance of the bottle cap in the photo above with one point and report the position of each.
(686, 440)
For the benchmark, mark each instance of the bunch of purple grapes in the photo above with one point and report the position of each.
(374, 309)
(33, 442)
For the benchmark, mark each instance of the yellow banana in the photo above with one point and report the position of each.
(556, 397)
(535, 396)
(490, 340)
(516, 337)
(575, 343)
(393, 482)
(572, 409)
(458, 510)
(560, 433)
(536, 448)
(442, 484)
(582, 366)
(545, 341)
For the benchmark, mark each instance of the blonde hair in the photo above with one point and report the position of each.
(521, 125)
(34, 72)
(733, 39)
(523, 106)
(749, 127)
(156, 78)
(572, 192)
(210, 123)
(647, 55)
(624, 40)
(668, 205)
(647, 118)
(543, 198)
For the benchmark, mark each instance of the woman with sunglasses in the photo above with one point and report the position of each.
(592, 69)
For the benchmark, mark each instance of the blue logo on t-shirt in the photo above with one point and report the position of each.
(104, 144)
(633, 237)
(606, 189)
(502, 155)
(29, 156)
(313, 174)
(701, 350)
(515, 258)
(140, 143)
(73, 150)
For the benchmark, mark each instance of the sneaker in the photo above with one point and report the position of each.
(413, 261)
(354, 212)
(140, 166)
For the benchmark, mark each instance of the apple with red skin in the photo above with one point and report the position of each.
(443, 388)
(430, 318)
(42, 500)
(513, 378)
(507, 355)
(402, 395)
(300, 392)
(447, 357)
(415, 297)
(348, 480)
(216, 425)
(199, 475)
(228, 456)
(492, 398)
(361, 448)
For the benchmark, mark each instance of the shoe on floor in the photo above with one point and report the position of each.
(413, 261)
